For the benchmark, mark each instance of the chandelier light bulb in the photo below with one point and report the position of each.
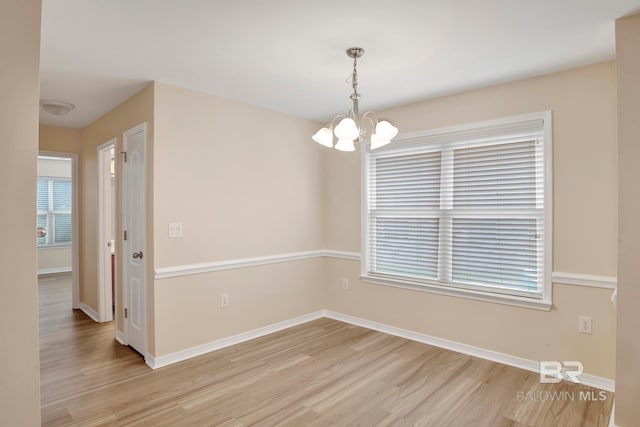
(345, 145)
(386, 130)
(324, 137)
(347, 129)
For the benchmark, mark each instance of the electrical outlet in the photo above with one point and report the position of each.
(345, 283)
(584, 324)
(224, 300)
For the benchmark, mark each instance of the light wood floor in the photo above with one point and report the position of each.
(322, 373)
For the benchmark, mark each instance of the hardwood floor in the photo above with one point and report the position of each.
(322, 373)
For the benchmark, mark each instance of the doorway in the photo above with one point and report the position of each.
(106, 230)
(57, 218)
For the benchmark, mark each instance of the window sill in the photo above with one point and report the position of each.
(543, 305)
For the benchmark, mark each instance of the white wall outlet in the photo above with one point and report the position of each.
(584, 324)
(224, 300)
(175, 229)
(345, 283)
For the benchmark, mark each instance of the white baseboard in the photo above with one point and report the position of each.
(90, 312)
(120, 337)
(42, 271)
(494, 356)
(612, 417)
(506, 359)
(178, 356)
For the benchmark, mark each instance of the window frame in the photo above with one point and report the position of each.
(412, 142)
(50, 214)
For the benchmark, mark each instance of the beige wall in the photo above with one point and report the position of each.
(54, 259)
(188, 311)
(19, 86)
(585, 221)
(628, 344)
(135, 110)
(62, 140)
(245, 182)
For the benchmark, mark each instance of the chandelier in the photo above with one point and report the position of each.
(353, 127)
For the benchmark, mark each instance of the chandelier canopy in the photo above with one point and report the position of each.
(353, 127)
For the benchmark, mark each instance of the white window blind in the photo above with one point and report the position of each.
(54, 210)
(462, 209)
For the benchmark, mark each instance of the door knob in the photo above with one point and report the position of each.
(137, 255)
(41, 231)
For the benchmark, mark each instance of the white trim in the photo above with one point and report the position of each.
(606, 282)
(598, 382)
(209, 267)
(120, 337)
(90, 312)
(75, 229)
(103, 208)
(178, 356)
(352, 256)
(537, 304)
(612, 416)
(151, 361)
(184, 270)
(54, 270)
(494, 356)
(547, 128)
(502, 123)
(364, 203)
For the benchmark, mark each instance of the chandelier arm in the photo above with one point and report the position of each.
(373, 122)
(372, 116)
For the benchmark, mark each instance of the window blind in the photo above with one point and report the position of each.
(463, 209)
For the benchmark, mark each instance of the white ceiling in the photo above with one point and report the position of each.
(288, 55)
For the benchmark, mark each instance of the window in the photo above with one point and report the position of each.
(54, 211)
(463, 211)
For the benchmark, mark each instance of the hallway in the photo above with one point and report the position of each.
(77, 355)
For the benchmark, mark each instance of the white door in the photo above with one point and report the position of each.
(105, 230)
(134, 250)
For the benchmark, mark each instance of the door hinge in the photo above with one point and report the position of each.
(126, 313)
(125, 234)
(124, 156)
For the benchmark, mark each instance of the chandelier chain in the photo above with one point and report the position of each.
(354, 79)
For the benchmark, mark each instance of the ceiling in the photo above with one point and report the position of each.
(289, 55)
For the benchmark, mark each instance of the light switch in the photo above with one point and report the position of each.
(175, 229)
